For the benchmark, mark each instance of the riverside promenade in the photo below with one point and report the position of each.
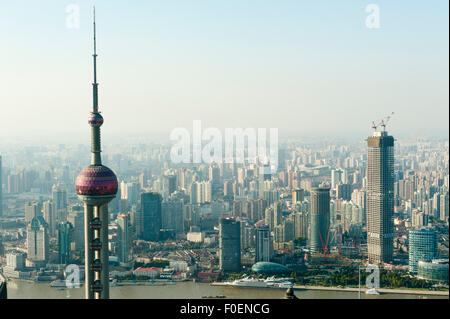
(363, 290)
(380, 290)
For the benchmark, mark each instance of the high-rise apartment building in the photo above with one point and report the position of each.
(301, 221)
(64, 242)
(214, 177)
(32, 210)
(336, 177)
(76, 218)
(37, 242)
(380, 197)
(59, 198)
(264, 244)
(169, 185)
(298, 195)
(247, 235)
(344, 191)
(124, 237)
(172, 215)
(49, 217)
(443, 207)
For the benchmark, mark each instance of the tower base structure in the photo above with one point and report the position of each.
(96, 246)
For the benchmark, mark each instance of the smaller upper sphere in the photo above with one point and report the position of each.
(95, 119)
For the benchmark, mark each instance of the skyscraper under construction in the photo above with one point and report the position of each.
(320, 218)
(380, 197)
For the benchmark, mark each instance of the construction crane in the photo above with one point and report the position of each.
(385, 121)
(324, 246)
(382, 123)
(374, 126)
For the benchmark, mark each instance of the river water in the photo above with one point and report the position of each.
(186, 290)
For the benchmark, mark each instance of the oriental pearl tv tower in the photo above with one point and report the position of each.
(96, 186)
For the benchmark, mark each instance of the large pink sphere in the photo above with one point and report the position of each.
(96, 180)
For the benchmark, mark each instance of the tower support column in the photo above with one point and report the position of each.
(88, 252)
(104, 252)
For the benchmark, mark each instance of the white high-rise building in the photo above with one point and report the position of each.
(124, 236)
(49, 217)
(336, 176)
(37, 242)
(201, 192)
(59, 198)
(32, 209)
(15, 260)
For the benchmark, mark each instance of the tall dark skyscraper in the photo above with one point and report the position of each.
(298, 195)
(320, 218)
(230, 244)
(380, 197)
(344, 191)
(264, 244)
(64, 239)
(96, 186)
(151, 215)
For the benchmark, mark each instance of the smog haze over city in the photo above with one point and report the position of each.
(307, 68)
(224, 150)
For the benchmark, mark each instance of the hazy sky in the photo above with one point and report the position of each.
(305, 67)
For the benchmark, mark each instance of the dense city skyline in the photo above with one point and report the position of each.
(231, 155)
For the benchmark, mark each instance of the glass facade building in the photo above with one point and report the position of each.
(320, 218)
(436, 270)
(229, 245)
(151, 206)
(422, 247)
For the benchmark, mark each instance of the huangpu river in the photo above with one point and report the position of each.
(18, 289)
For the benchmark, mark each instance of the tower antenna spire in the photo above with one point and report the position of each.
(95, 84)
(95, 120)
(95, 49)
